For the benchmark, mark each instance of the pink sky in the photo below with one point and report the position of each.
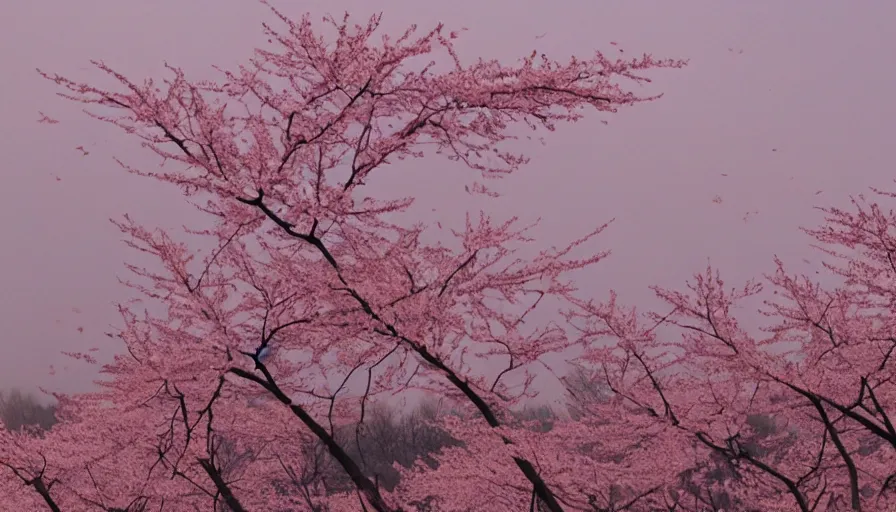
(786, 98)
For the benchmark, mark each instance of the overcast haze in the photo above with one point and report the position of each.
(786, 98)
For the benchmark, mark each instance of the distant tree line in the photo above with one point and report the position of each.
(19, 410)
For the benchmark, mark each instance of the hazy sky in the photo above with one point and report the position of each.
(786, 98)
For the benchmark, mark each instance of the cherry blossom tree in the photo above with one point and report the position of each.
(823, 374)
(310, 281)
(260, 385)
